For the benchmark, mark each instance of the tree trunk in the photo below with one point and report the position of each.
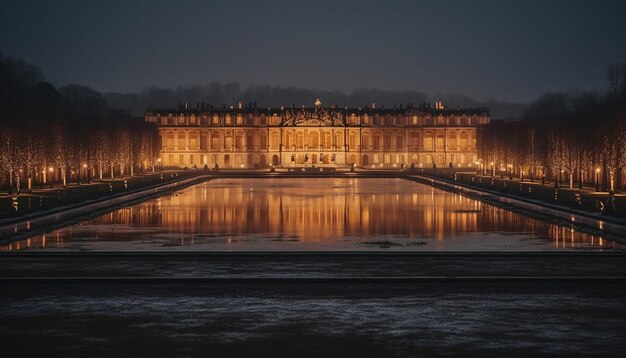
(64, 175)
(571, 180)
(10, 181)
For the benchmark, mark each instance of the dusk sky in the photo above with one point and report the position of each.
(506, 50)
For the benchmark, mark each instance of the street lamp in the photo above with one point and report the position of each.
(86, 173)
(597, 179)
(51, 170)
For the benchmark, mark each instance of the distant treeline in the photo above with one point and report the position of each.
(574, 136)
(218, 94)
(66, 134)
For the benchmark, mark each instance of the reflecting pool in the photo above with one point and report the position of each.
(314, 214)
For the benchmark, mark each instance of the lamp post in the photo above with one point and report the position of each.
(51, 170)
(580, 178)
(597, 179)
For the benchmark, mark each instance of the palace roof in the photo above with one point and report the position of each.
(421, 110)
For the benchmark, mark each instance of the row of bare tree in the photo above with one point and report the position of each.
(572, 137)
(49, 135)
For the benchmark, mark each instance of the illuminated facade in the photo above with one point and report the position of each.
(250, 137)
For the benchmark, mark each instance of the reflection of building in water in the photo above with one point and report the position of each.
(334, 212)
(249, 137)
(317, 213)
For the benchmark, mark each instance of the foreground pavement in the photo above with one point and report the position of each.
(312, 304)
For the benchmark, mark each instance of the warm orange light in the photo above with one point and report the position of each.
(597, 170)
(51, 169)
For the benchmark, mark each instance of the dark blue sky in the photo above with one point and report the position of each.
(507, 50)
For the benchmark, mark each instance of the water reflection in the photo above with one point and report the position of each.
(319, 214)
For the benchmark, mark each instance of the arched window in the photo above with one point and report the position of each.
(452, 145)
(463, 140)
(288, 141)
(428, 141)
(365, 141)
(169, 141)
(239, 140)
(182, 143)
(440, 141)
(314, 140)
(352, 141)
(387, 141)
(415, 140)
(326, 140)
(215, 140)
(274, 141)
(337, 140)
(193, 141)
(228, 140)
(300, 140)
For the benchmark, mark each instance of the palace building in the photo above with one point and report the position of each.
(250, 137)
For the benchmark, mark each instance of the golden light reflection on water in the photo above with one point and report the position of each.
(297, 214)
